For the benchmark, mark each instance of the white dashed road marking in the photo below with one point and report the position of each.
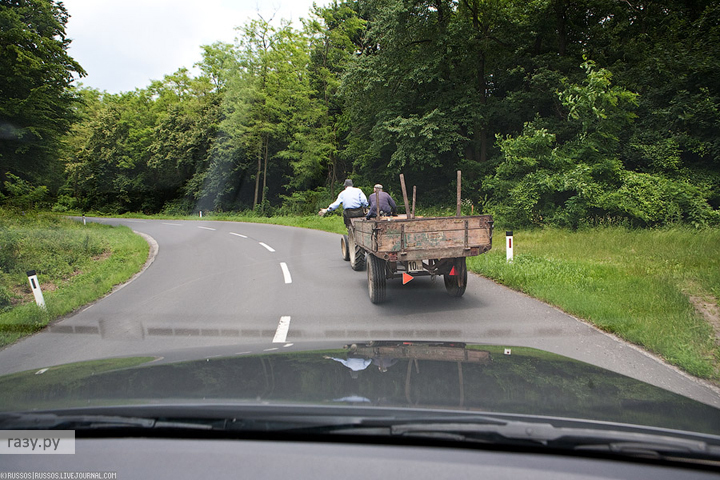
(286, 272)
(270, 249)
(282, 330)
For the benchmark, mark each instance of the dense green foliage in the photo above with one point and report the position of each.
(36, 101)
(557, 112)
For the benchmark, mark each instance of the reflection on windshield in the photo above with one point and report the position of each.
(382, 374)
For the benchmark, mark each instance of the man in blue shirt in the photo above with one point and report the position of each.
(353, 200)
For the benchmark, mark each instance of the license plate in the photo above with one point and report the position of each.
(415, 266)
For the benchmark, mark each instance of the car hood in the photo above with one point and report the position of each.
(406, 375)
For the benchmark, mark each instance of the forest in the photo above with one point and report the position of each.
(558, 112)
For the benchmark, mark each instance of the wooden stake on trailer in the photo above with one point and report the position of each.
(459, 194)
(405, 197)
(377, 204)
(414, 197)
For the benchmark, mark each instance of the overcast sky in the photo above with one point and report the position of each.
(125, 44)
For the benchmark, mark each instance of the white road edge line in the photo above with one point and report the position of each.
(267, 246)
(173, 224)
(206, 228)
(286, 272)
(282, 330)
(237, 235)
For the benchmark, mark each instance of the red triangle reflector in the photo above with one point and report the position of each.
(453, 272)
(406, 278)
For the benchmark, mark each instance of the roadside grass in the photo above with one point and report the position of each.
(637, 284)
(75, 265)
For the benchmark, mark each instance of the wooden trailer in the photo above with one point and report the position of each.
(395, 247)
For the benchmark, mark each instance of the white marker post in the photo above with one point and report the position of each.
(84, 222)
(200, 213)
(509, 245)
(35, 285)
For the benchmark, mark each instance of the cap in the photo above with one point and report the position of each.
(378, 186)
(348, 183)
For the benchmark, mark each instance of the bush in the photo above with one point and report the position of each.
(650, 200)
(9, 246)
(306, 202)
(65, 203)
(5, 299)
(180, 207)
(22, 194)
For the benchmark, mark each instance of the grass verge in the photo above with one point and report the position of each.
(642, 285)
(75, 264)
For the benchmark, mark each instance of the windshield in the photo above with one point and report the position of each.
(475, 207)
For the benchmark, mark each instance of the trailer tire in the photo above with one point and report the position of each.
(357, 256)
(456, 284)
(344, 248)
(377, 281)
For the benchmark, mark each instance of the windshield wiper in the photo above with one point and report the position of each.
(636, 444)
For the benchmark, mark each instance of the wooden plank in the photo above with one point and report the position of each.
(459, 194)
(405, 197)
(426, 237)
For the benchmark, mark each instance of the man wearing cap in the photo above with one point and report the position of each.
(387, 204)
(353, 200)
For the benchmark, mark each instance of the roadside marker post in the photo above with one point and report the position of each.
(509, 246)
(35, 285)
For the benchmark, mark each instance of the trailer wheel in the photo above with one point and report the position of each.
(357, 256)
(344, 248)
(377, 271)
(455, 284)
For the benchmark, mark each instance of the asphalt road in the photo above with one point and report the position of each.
(237, 286)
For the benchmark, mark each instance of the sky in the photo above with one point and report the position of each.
(126, 44)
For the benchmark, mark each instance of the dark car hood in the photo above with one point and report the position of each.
(417, 375)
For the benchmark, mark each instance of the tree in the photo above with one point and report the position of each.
(219, 64)
(36, 98)
(567, 183)
(183, 136)
(335, 33)
(260, 107)
(427, 91)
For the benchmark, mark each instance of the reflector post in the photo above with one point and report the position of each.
(509, 245)
(35, 286)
